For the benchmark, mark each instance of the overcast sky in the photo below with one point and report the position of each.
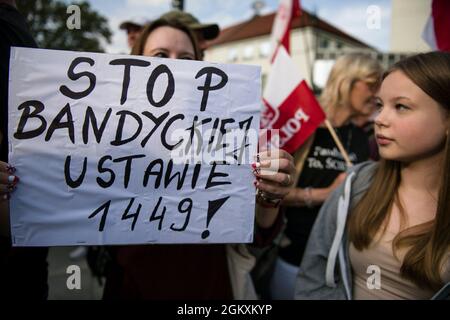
(349, 15)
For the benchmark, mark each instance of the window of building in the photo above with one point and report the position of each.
(391, 59)
(248, 52)
(264, 49)
(324, 43)
(232, 55)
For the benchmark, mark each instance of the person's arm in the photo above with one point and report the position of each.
(4, 219)
(8, 182)
(309, 197)
(265, 216)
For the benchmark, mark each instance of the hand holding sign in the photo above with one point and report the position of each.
(8, 180)
(274, 177)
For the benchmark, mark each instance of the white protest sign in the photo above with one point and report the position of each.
(117, 149)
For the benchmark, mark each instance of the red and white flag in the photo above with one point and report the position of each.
(287, 11)
(289, 105)
(437, 29)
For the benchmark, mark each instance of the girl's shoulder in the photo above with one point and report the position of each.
(361, 176)
(363, 172)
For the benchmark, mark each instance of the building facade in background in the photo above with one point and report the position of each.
(316, 44)
(408, 19)
(312, 39)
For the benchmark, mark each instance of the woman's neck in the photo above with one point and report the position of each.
(340, 116)
(423, 175)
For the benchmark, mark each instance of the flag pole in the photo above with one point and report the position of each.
(338, 143)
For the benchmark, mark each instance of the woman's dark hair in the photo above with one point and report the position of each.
(138, 48)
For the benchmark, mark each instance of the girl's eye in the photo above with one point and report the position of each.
(187, 58)
(378, 105)
(160, 55)
(401, 107)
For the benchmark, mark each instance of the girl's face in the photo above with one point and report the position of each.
(168, 42)
(362, 99)
(410, 125)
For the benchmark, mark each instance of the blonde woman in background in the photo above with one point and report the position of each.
(349, 92)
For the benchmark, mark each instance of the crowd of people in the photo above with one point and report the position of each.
(328, 221)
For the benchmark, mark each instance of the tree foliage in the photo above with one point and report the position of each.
(47, 20)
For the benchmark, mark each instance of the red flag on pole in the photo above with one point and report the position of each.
(437, 30)
(289, 104)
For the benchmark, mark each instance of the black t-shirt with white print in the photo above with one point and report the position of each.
(322, 165)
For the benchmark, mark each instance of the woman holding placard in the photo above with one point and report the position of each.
(192, 271)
